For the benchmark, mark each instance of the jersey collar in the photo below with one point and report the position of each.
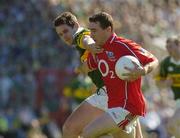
(174, 61)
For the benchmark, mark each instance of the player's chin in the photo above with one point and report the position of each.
(68, 42)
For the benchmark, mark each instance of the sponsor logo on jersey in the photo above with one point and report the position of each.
(110, 55)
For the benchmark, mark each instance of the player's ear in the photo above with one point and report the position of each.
(109, 29)
(76, 25)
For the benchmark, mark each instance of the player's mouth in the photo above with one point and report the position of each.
(68, 41)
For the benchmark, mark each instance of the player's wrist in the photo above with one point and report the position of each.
(144, 71)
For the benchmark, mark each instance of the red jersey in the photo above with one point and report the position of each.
(127, 95)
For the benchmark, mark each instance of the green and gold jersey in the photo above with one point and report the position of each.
(172, 70)
(78, 39)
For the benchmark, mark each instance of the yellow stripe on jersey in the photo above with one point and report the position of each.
(84, 56)
(80, 39)
(158, 78)
(176, 79)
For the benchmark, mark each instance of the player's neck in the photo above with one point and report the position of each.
(106, 38)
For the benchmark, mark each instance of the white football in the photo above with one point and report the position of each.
(125, 61)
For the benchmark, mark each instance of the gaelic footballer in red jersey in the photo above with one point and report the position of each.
(125, 99)
(121, 93)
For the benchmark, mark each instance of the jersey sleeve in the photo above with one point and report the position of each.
(136, 50)
(84, 56)
(144, 56)
(91, 62)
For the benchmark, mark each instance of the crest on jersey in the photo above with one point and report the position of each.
(110, 55)
(170, 69)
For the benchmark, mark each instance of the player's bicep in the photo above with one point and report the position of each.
(145, 56)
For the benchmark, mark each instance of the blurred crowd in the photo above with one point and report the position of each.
(36, 75)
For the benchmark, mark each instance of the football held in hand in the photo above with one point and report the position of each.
(124, 62)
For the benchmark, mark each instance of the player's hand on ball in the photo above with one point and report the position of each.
(134, 73)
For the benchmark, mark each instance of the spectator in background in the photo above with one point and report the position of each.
(169, 78)
(169, 72)
(173, 126)
(5, 88)
(79, 89)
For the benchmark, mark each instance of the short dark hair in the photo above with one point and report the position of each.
(169, 39)
(174, 39)
(65, 18)
(105, 20)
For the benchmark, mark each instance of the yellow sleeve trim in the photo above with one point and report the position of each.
(84, 56)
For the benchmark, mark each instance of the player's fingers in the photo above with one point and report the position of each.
(129, 69)
(135, 64)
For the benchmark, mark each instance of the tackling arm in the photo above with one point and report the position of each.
(89, 44)
(83, 68)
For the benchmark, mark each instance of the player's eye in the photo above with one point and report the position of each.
(60, 34)
(65, 31)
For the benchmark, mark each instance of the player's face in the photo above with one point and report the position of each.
(97, 33)
(65, 32)
(177, 43)
(172, 48)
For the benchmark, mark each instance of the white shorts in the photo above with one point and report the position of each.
(123, 118)
(99, 99)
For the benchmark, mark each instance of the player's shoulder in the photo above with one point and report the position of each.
(125, 42)
(165, 62)
(81, 31)
(166, 59)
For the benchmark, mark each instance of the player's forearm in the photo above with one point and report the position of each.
(150, 66)
(83, 68)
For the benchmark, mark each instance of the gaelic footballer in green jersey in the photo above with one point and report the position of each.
(169, 73)
(94, 75)
(170, 68)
